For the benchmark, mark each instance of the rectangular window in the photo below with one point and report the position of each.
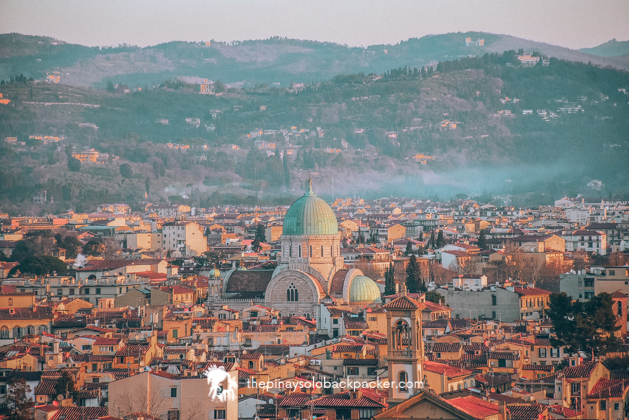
(335, 321)
(254, 314)
(87, 291)
(95, 380)
(554, 352)
(219, 414)
(310, 251)
(98, 290)
(173, 392)
(371, 371)
(86, 347)
(175, 333)
(173, 414)
(71, 291)
(59, 292)
(94, 369)
(494, 300)
(603, 405)
(616, 406)
(352, 370)
(542, 352)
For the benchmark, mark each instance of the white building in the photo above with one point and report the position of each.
(188, 238)
(586, 240)
(470, 283)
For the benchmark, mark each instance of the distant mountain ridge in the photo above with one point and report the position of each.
(611, 48)
(274, 60)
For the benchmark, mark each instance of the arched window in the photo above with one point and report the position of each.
(619, 303)
(250, 364)
(41, 329)
(4, 332)
(290, 251)
(310, 251)
(30, 330)
(292, 294)
(321, 250)
(10, 301)
(17, 332)
(403, 378)
(331, 250)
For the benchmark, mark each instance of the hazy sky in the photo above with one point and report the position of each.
(569, 23)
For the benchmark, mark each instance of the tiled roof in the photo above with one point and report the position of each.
(41, 312)
(296, 399)
(581, 371)
(338, 281)
(249, 281)
(447, 370)
(609, 388)
(360, 362)
(348, 348)
(538, 367)
(531, 291)
(344, 399)
(47, 386)
(102, 265)
(404, 302)
(248, 356)
(80, 413)
(446, 347)
(132, 350)
(475, 406)
(525, 411)
(506, 355)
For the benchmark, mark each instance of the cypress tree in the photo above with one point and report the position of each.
(389, 280)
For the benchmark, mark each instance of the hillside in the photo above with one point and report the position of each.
(475, 125)
(611, 48)
(275, 60)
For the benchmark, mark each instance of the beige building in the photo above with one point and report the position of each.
(171, 397)
(187, 238)
(149, 241)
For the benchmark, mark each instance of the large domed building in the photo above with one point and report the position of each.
(311, 269)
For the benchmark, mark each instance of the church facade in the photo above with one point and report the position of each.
(311, 269)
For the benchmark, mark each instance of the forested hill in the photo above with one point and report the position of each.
(611, 48)
(474, 125)
(275, 60)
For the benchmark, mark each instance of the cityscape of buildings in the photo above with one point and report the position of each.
(285, 302)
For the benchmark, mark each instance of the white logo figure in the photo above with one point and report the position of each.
(216, 379)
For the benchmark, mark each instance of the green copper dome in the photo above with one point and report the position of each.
(363, 289)
(310, 215)
(214, 273)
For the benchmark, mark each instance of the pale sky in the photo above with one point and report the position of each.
(569, 23)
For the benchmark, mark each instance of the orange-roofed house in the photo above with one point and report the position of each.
(445, 378)
(427, 405)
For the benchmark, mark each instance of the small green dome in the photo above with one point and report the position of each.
(363, 289)
(310, 215)
(214, 273)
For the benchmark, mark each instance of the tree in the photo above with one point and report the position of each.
(389, 280)
(441, 242)
(255, 245)
(147, 184)
(94, 246)
(74, 164)
(66, 386)
(40, 265)
(482, 240)
(70, 244)
(616, 259)
(414, 282)
(435, 297)
(431, 240)
(579, 326)
(409, 248)
(110, 87)
(260, 233)
(18, 402)
(125, 170)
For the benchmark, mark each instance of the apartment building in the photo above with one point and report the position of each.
(188, 238)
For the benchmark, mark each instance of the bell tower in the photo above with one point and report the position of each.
(405, 354)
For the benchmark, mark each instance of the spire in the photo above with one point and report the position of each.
(309, 187)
